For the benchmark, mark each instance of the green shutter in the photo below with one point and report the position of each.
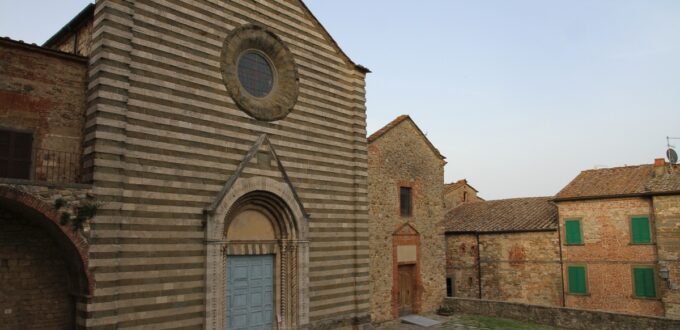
(643, 278)
(573, 231)
(577, 279)
(640, 230)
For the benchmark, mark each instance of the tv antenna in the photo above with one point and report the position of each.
(671, 154)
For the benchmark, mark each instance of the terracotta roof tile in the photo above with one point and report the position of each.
(505, 215)
(617, 181)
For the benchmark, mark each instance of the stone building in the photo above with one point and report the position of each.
(620, 239)
(458, 193)
(405, 181)
(225, 145)
(504, 250)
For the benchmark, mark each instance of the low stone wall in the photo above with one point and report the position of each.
(559, 316)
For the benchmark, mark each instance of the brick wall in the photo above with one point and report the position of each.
(516, 267)
(608, 254)
(35, 291)
(667, 220)
(43, 92)
(401, 157)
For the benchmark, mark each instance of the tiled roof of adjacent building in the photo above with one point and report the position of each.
(455, 185)
(394, 123)
(505, 215)
(33, 47)
(622, 181)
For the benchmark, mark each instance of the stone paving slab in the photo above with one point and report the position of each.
(447, 323)
(419, 320)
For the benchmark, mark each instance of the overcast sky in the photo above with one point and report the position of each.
(519, 95)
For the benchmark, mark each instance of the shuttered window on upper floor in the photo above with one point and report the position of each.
(640, 230)
(643, 280)
(16, 150)
(572, 230)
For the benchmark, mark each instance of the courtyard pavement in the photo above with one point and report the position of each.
(449, 323)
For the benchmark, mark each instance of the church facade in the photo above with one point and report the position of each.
(225, 145)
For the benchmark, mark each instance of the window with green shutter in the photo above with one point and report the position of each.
(643, 280)
(573, 231)
(639, 230)
(577, 279)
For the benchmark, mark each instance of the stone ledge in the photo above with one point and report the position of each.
(571, 318)
(22, 182)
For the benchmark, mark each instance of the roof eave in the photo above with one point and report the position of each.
(645, 194)
(513, 231)
(72, 25)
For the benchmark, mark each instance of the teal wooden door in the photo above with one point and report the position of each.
(250, 287)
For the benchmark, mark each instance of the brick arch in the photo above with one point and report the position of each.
(74, 246)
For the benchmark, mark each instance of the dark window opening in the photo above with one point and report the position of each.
(449, 287)
(465, 196)
(16, 149)
(255, 74)
(405, 197)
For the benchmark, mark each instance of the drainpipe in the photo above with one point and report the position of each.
(559, 242)
(479, 269)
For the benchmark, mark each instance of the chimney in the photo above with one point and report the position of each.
(659, 167)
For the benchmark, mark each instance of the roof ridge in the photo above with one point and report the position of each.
(394, 123)
(616, 167)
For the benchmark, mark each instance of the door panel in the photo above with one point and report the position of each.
(407, 284)
(250, 287)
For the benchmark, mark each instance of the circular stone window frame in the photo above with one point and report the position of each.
(285, 88)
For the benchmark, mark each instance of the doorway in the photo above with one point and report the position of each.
(407, 288)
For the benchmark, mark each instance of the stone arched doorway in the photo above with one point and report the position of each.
(41, 268)
(257, 258)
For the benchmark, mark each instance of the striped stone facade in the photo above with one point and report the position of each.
(163, 137)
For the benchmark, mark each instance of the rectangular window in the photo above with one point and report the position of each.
(572, 230)
(449, 287)
(639, 230)
(577, 279)
(16, 149)
(643, 280)
(405, 206)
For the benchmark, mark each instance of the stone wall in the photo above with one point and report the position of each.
(402, 157)
(462, 194)
(515, 267)
(43, 92)
(77, 42)
(608, 254)
(569, 318)
(35, 284)
(521, 267)
(461, 265)
(667, 220)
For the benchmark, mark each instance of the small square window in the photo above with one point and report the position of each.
(577, 279)
(643, 281)
(405, 201)
(572, 230)
(639, 230)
